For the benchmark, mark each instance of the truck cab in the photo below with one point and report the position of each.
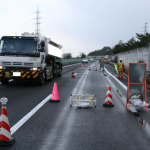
(25, 58)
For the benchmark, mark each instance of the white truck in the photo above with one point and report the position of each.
(29, 57)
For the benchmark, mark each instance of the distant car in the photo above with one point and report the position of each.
(85, 61)
(91, 59)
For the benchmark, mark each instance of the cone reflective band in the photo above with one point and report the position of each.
(73, 74)
(5, 134)
(108, 99)
(89, 68)
(82, 67)
(95, 68)
(55, 95)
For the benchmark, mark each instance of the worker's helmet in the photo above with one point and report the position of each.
(120, 59)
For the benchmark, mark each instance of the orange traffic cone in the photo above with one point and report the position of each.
(73, 74)
(55, 96)
(108, 99)
(82, 67)
(89, 68)
(95, 68)
(5, 133)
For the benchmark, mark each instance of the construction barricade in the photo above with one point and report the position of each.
(136, 90)
(83, 100)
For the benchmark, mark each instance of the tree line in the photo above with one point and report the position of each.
(69, 56)
(141, 40)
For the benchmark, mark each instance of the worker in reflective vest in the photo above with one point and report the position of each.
(121, 68)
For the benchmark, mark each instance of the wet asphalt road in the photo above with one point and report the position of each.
(57, 126)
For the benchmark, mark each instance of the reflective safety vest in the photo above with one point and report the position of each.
(120, 66)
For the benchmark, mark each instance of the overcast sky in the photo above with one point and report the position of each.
(78, 25)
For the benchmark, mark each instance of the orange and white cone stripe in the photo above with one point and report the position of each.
(95, 68)
(89, 68)
(108, 99)
(73, 74)
(5, 133)
(4, 123)
(82, 67)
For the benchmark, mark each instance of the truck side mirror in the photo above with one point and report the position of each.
(42, 49)
(42, 44)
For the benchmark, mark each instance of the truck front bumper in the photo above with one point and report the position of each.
(19, 74)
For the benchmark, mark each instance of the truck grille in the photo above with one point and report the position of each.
(4, 63)
(28, 64)
(17, 63)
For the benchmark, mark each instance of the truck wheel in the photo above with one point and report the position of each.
(4, 81)
(51, 76)
(59, 75)
(42, 80)
(45, 75)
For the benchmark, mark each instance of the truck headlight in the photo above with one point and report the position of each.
(1, 67)
(34, 69)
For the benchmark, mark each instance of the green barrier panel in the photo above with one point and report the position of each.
(70, 60)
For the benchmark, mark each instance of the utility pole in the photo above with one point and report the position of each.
(145, 28)
(37, 30)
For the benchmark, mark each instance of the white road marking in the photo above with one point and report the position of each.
(124, 86)
(29, 115)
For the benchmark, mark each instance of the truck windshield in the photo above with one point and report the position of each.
(18, 46)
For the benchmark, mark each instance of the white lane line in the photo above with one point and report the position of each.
(124, 86)
(29, 115)
(71, 65)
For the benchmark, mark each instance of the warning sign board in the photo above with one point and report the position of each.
(82, 100)
(137, 82)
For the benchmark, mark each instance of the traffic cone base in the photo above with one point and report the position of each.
(52, 100)
(108, 99)
(7, 142)
(108, 105)
(55, 95)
